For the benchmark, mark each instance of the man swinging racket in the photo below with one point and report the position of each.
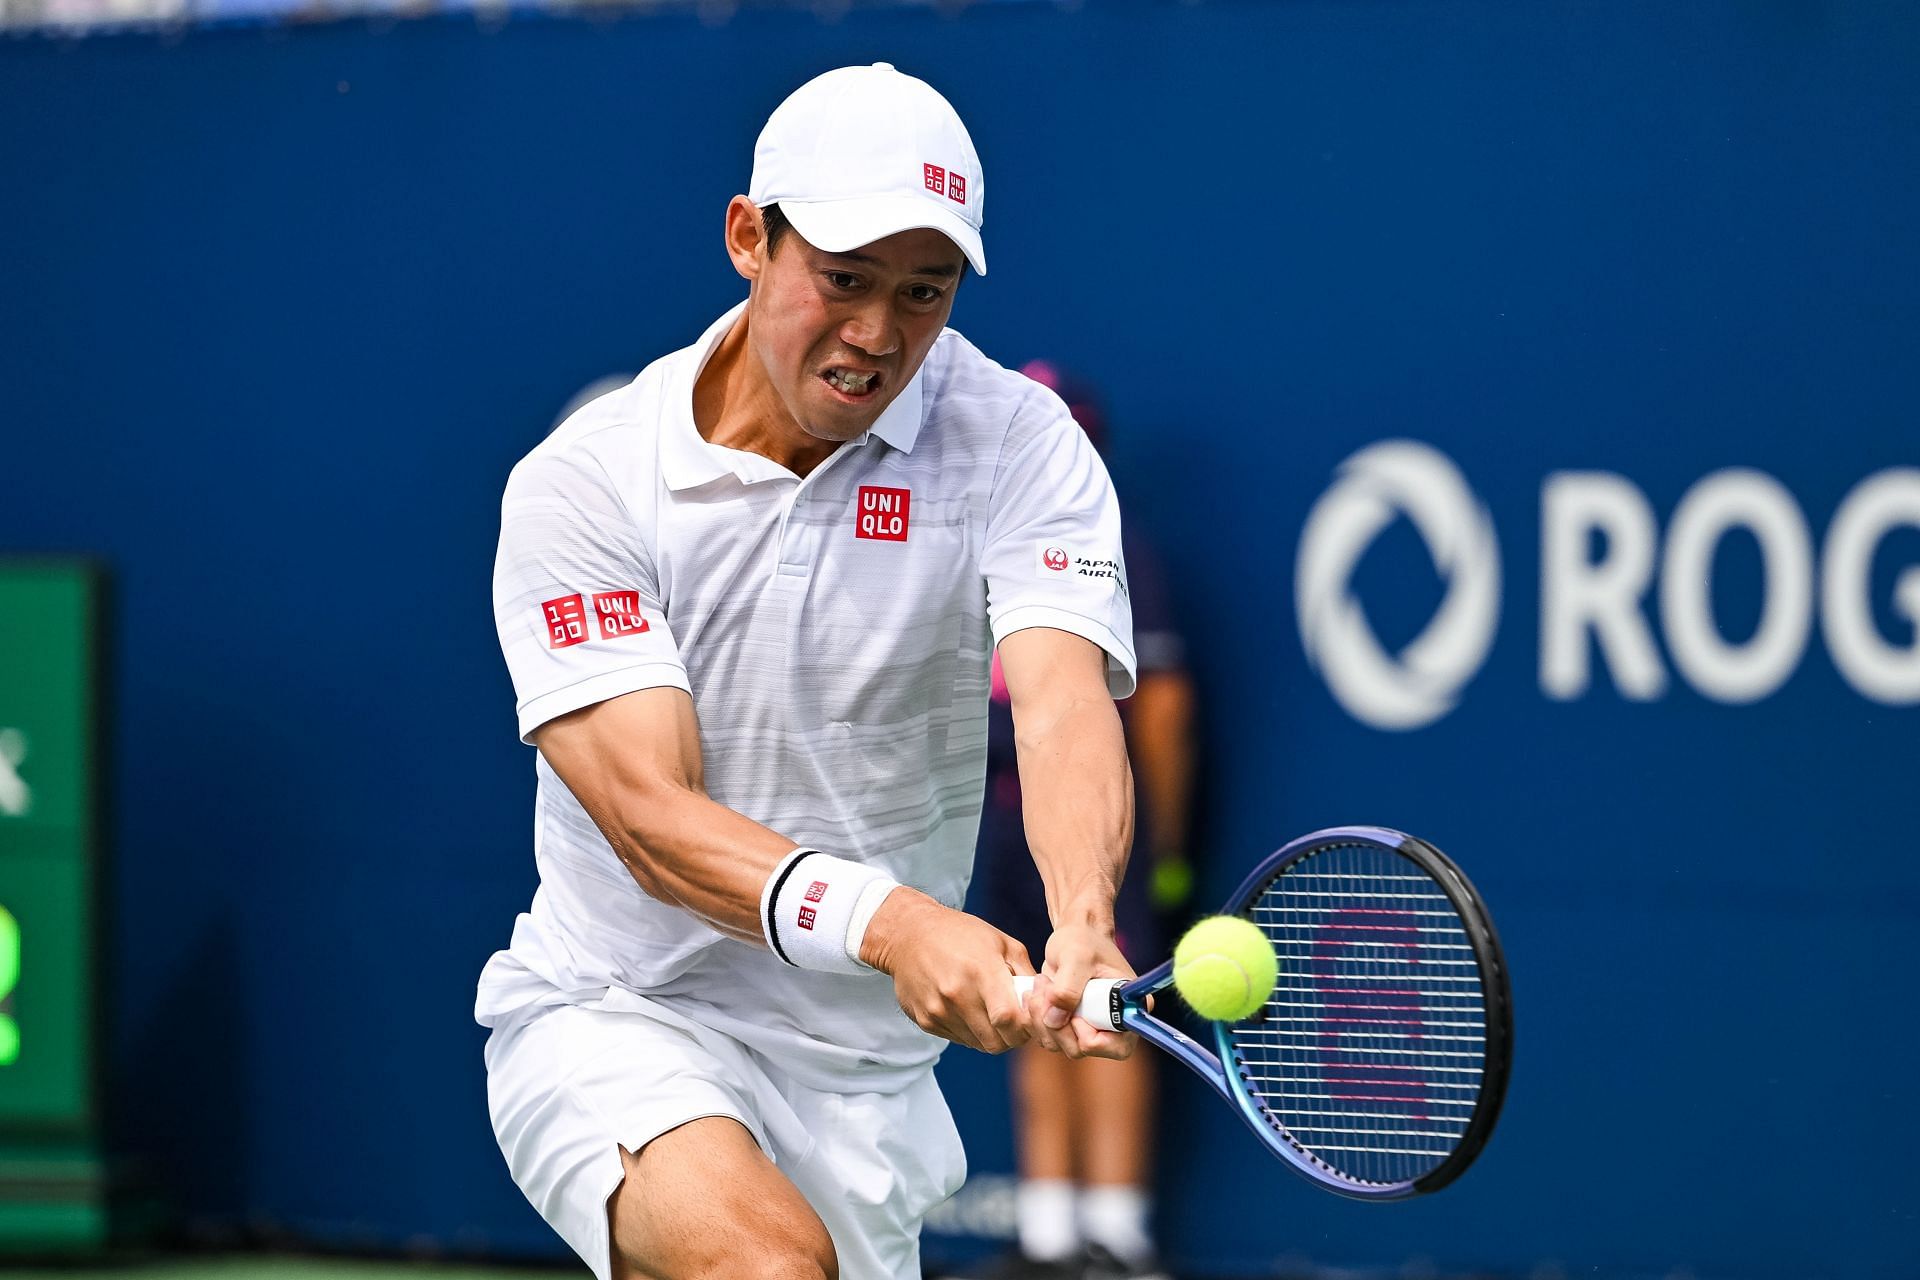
(748, 602)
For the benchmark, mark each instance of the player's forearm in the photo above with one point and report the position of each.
(709, 860)
(634, 765)
(1078, 806)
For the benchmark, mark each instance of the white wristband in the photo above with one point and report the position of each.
(815, 910)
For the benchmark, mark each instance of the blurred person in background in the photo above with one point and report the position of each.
(1083, 1130)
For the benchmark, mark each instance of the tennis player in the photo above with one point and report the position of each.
(748, 602)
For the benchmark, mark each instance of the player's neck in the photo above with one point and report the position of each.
(736, 407)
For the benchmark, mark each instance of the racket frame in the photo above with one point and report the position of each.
(1211, 1065)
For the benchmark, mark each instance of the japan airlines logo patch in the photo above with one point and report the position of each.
(1053, 562)
(1423, 681)
(882, 513)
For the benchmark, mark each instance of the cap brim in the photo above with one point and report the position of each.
(841, 226)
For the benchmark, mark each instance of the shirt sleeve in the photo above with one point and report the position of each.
(576, 596)
(1052, 556)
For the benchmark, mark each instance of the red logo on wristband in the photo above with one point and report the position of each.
(816, 891)
(806, 917)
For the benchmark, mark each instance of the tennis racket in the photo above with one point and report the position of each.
(1377, 1068)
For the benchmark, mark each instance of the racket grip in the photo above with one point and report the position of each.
(1100, 1003)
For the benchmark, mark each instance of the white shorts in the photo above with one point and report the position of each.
(567, 1085)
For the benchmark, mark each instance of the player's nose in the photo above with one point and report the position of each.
(871, 330)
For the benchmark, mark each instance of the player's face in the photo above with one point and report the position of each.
(839, 334)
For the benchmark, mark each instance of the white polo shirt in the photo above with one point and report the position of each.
(834, 633)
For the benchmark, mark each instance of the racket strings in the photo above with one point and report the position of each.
(1371, 1051)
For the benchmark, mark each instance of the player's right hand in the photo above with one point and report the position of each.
(950, 971)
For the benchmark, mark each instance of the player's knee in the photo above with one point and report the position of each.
(798, 1256)
(763, 1248)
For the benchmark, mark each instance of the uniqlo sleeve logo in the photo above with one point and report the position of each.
(881, 513)
(816, 891)
(618, 613)
(957, 188)
(937, 179)
(807, 916)
(566, 620)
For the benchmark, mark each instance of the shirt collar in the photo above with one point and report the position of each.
(688, 461)
(899, 423)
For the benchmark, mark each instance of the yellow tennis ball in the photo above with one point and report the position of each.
(1224, 968)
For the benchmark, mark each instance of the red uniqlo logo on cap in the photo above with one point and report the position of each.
(619, 613)
(881, 513)
(816, 891)
(957, 188)
(566, 620)
(807, 917)
(937, 179)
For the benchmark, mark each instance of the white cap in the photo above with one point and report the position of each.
(861, 153)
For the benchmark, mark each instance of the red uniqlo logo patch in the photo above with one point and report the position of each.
(566, 620)
(816, 891)
(881, 513)
(937, 179)
(807, 917)
(957, 188)
(619, 613)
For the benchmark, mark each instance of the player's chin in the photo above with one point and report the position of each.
(837, 416)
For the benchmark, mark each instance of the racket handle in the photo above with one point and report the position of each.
(1099, 1004)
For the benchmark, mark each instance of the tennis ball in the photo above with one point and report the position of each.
(1224, 968)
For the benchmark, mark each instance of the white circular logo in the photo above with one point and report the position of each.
(1423, 682)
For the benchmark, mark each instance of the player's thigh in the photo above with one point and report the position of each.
(882, 1160)
(703, 1201)
(571, 1088)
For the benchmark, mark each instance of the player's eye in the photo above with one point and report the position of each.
(925, 293)
(841, 279)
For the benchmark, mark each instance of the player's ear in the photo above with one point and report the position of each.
(746, 238)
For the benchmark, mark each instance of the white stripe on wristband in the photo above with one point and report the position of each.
(815, 910)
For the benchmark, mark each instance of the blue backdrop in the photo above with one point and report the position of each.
(280, 308)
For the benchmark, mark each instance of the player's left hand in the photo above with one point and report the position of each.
(1075, 954)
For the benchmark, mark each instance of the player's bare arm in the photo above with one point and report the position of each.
(634, 764)
(1079, 819)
